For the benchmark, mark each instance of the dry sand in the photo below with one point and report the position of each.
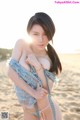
(67, 93)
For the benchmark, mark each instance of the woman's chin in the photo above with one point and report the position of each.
(41, 47)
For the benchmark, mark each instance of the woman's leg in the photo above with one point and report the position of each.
(57, 110)
(27, 114)
(47, 113)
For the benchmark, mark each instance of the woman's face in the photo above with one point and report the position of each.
(38, 37)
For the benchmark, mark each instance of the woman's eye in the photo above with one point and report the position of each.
(35, 34)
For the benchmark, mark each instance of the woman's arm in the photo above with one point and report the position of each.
(16, 54)
(20, 82)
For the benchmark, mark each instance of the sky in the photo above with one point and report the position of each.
(14, 16)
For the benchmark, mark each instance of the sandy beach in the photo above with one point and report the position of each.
(67, 92)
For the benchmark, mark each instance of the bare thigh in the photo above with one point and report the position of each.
(49, 114)
(29, 116)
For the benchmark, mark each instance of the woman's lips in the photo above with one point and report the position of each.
(41, 45)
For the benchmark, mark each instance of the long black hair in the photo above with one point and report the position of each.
(47, 24)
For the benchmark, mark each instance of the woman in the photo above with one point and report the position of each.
(40, 56)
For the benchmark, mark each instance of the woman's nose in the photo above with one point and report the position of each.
(40, 38)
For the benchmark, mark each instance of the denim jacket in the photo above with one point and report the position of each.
(32, 79)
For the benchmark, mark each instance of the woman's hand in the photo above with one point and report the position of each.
(40, 93)
(32, 60)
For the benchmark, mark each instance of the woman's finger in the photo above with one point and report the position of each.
(45, 90)
(27, 61)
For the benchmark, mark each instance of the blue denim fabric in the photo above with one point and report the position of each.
(32, 79)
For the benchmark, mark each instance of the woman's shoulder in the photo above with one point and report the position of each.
(19, 48)
(22, 44)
